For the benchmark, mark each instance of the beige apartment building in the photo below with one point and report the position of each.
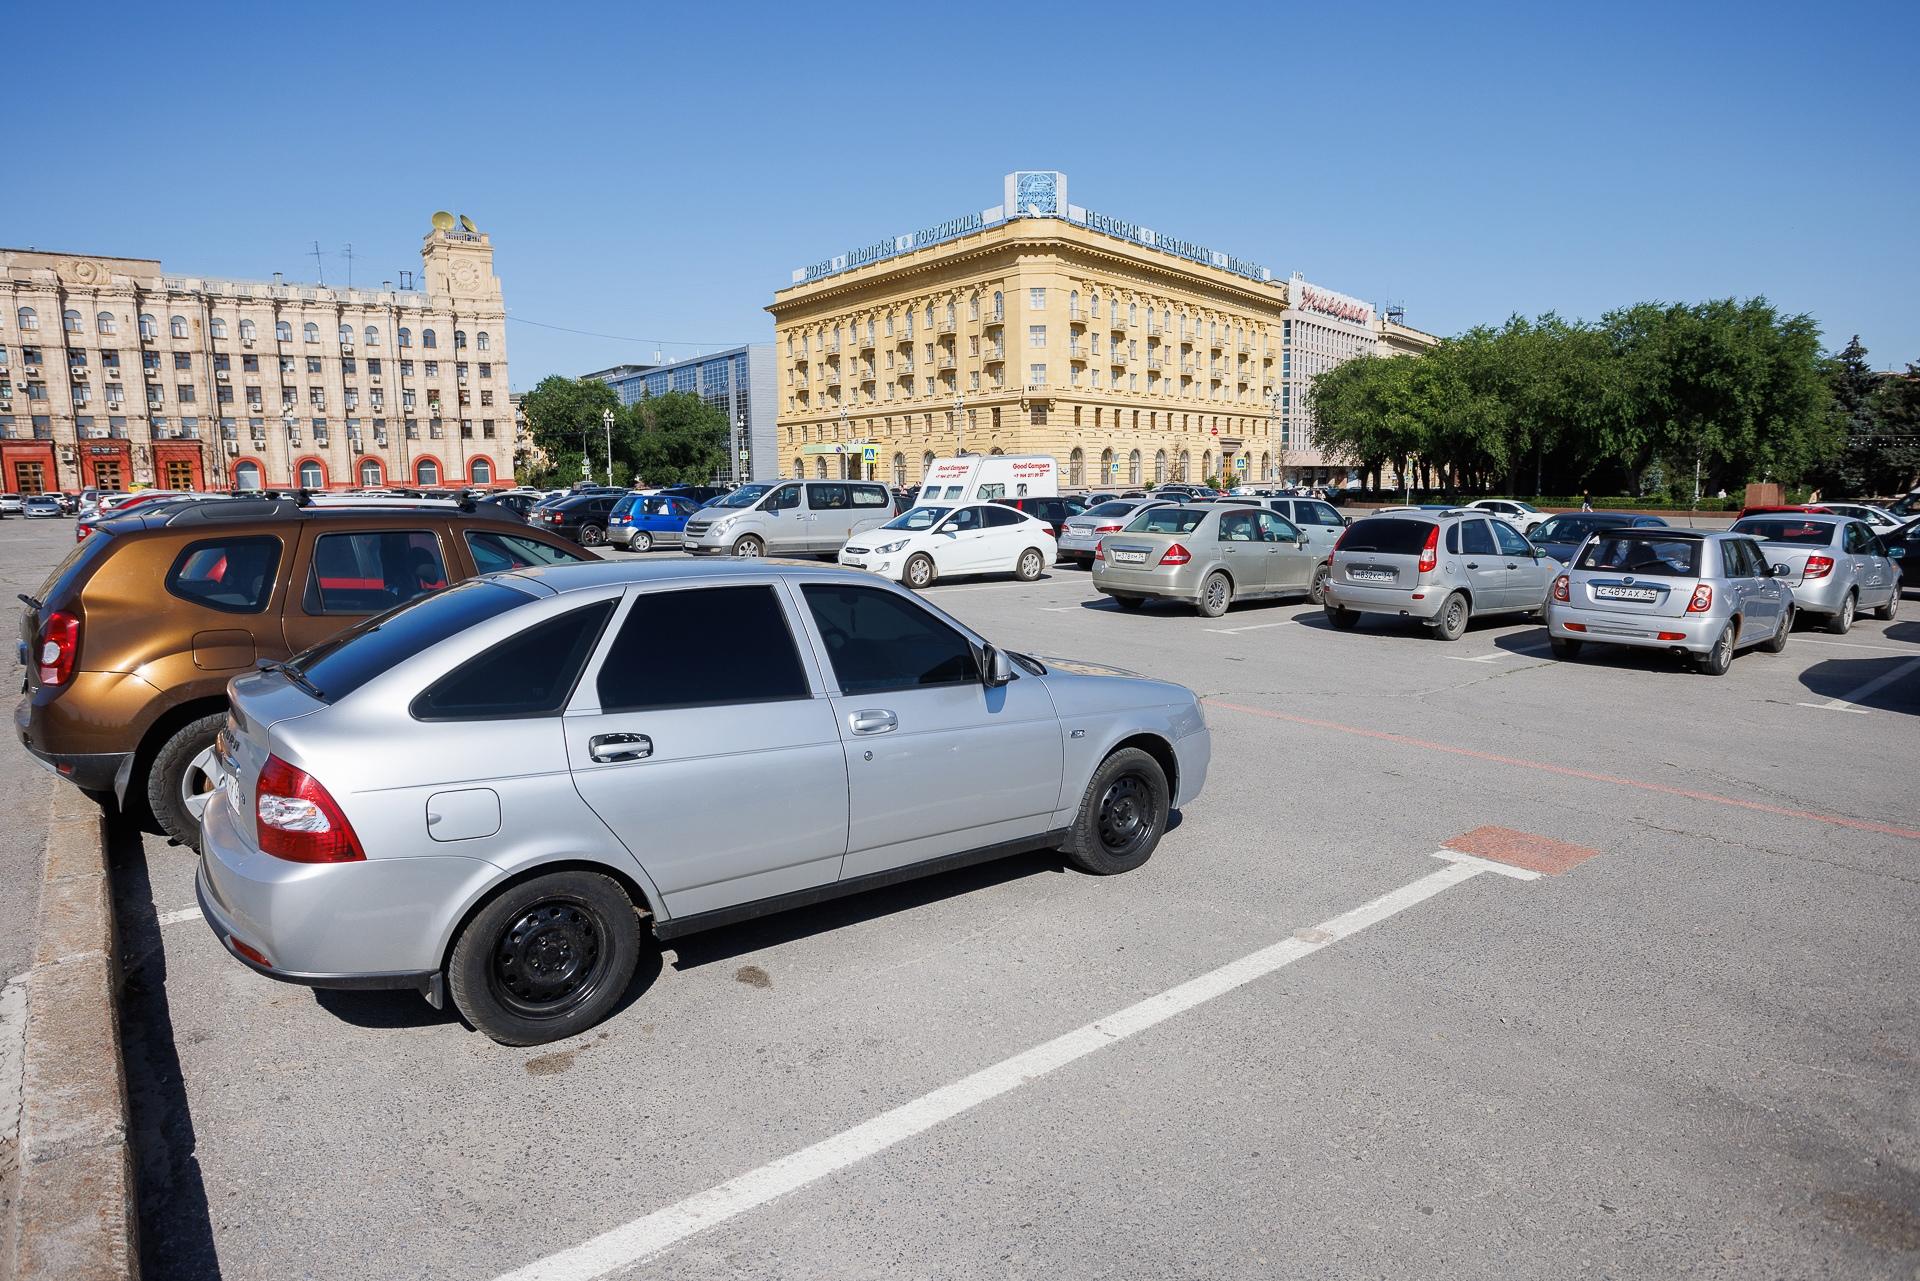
(115, 374)
(1037, 326)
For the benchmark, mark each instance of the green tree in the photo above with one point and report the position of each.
(678, 439)
(565, 423)
(1877, 413)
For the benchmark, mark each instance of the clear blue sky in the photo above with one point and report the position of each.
(658, 172)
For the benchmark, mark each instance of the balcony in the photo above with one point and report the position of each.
(832, 347)
(1153, 329)
(994, 355)
(1189, 367)
(1216, 343)
(866, 343)
(1246, 378)
(800, 358)
(1077, 353)
(866, 373)
(1244, 347)
(904, 338)
(947, 325)
(832, 377)
(1118, 357)
(946, 360)
(992, 322)
(1116, 325)
(1189, 340)
(1154, 360)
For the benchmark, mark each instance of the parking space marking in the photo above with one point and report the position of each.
(177, 915)
(1250, 627)
(1567, 771)
(1497, 655)
(1878, 683)
(1884, 649)
(648, 1236)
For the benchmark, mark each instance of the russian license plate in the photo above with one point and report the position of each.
(1370, 575)
(1641, 594)
(1129, 558)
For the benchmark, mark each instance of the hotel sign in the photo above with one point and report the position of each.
(890, 246)
(1094, 220)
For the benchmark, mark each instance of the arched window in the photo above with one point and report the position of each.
(246, 475)
(103, 323)
(1181, 466)
(1266, 466)
(999, 306)
(900, 470)
(283, 330)
(1133, 468)
(71, 319)
(973, 306)
(346, 335)
(1159, 466)
(370, 477)
(1077, 467)
(929, 315)
(426, 472)
(29, 321)
(799, 469)
(217, 327)
(459, 339)
(480, 471)
(484, 341)
(1073, 305)
(820, 468)
(310, 332)
(177, 326)
(149, 327)
(926, 464)
(1206, 465)
(312, 475)
(405, 337)
(1106, 466)
(372, 335)
(248, 331)
(427, 338)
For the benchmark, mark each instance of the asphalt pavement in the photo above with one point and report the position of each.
(1296, 1043)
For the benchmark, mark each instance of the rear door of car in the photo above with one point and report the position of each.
(1320, 523)
(342, 574)
(829, 515)
(1242, 551)
(1875, 570)
(1529, 574)
(1289, 565)
(1482, 565)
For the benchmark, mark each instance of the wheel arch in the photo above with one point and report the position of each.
(1156, 746)
(635, 891)
(164, 727)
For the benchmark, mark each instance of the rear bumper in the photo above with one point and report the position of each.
(95, 771)
(1696, 632)
(1178, 584)
(1822, 595)
(1421, 601)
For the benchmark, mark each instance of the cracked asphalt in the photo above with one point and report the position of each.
(1694, 1052)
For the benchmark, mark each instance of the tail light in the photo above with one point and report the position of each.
(1097, 545)
(80, 532)
(298, 820)
(1702, 600)
(1106, 529)
(1176, 555)
(1561, 588)
(59, 647)
(1430, 554)
(1341, 541)
(1819, 566)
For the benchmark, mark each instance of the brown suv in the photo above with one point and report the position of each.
(130, 644)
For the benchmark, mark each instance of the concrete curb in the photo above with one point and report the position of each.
(75, 1218)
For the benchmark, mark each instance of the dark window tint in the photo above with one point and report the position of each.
(1633, 551)
(871, 496)
(784, 498)
(337, 667)
(879, 641)
(1110, 509)
(371, 572)
(1002, 517)
(530, 674)
(1788, 529)
(701, 647)
(234, 575)
(1476, 539)
(1388, 535)
(495, 552)
(1508, 537)
(823, 498)
(1858, 539)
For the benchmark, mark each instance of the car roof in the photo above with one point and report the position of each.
(585, 576)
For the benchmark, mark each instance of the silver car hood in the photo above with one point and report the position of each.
(1090, 689)
(1080, 668)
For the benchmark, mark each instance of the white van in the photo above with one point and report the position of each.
(981, 478)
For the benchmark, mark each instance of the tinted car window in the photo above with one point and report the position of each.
(1389, 535)
(878, 641)
(871, 496)
(493, 552)
(785, 498)
(1510, 541)
(369, 572)
(1476, 539)
(1001, 517)
(234, 575)
(1166, 520)
(1635, 551)
(1110, 509)
(531, 674)
(337, 667)
(827, 497)
(699, 648)
(1787, 529)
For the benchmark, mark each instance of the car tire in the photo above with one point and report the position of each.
(1317, 588)
(1717, 660)
(641, 541)
(545, 959)
(1122, 816)
(918, 572)
(1450, 624)
(178, 776)
(1779, 639)
(1030, 566)
(1344, 620)
(1130, 602)
(1891, 610)
(1564, 648)
(1216, 595)
(1840, 622)
(592, 535)
(748, 547)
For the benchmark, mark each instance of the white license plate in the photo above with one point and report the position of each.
(1129, 558)
(1641, 594)
(1370, 575)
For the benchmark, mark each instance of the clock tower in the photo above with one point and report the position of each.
(457, 263)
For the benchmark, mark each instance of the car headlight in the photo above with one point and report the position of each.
(886, 549)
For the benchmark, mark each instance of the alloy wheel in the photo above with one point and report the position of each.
(196, 784)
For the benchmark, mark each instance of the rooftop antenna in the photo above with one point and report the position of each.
(348, 252)
(318, 269)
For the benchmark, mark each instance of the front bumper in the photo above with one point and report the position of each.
(1694, 633)
(888, 565)
(703, 544)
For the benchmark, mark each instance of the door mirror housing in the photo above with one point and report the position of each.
(1896, 552)
(997, 668)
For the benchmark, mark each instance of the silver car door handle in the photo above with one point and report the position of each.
(874, 721)
(619, 747)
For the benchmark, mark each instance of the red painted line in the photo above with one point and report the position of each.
(1540, 854)
(1565, 771)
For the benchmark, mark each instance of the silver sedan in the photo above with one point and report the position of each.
(1836, 566)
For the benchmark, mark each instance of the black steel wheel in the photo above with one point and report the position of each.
(1122, 815)
(547, 958)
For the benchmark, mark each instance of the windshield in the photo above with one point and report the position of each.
(745, 496)
(1778, 529)
(1166, 520)
(1572, 529)
(1644, 552)
(1387, 535)
(335, 668)
(918, 518)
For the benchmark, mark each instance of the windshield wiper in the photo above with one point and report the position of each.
(293, 675)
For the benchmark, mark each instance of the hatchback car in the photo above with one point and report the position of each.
(493, 793)
(1439, 568)
(1208, 556)
(1690, 592)
(1835, 565)
(935, 541)
(12, 504)
(642, 522)
(128, 647)
(1560, 536)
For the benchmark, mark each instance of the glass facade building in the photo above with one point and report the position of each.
(739, 382)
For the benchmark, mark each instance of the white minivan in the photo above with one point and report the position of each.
(982, 478)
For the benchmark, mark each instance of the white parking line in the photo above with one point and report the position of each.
(1250, 627)
(645, 1237)
(1884, 649)
(1482, 658)
(177, 915)
(1878, 683)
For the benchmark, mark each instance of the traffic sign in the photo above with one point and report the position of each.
(1240, 463)
(871, 454)
(1116, 467)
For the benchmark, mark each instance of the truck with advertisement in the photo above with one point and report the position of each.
(981, 478)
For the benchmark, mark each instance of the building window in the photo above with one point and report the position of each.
(29, 321)
(247, 331)
(217, 327)
(1037, 297)
(312, 475)
(103, 323)
(482, 471)
(427, 338)
(246, 476)
(426, 471)
(283, 330)
(1077, 467)
(1036, 335)
(1036, 375)
(1133, 468)
(406, 339)
(177, 326)
(71, 320)
(1159, 466)
(999, 306)
(483, 341)
(459, 339)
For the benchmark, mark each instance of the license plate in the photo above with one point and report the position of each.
(1370, 575)
(1129, 558)
(1642, 594)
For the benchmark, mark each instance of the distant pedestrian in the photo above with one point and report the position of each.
(1586, 502)
(1814, 497)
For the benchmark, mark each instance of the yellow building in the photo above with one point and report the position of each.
(1036, 326)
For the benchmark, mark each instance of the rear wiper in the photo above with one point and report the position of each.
(294, 677)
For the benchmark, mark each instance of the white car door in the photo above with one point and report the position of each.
(1008, 534)
(959, 541)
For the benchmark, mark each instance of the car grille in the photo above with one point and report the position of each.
(696, 528)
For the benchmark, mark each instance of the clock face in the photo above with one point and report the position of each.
(466, 276)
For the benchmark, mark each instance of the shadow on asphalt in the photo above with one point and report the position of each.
(1908, 632)
(1843, 677)
(176, 1233)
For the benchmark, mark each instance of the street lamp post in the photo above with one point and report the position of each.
(606, 420)
(1273, 411)
(844, 437)
(738, 453)
(959, 425)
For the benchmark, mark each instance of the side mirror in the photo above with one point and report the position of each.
(1301, 542)
(1897, 552)
(999, 668)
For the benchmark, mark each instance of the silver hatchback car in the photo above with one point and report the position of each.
(1441, 568)
(496, 790)
(1690, 592)
(1208, 556)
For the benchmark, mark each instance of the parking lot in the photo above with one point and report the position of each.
(1661, 1020)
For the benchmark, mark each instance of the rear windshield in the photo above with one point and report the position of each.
(68, 571)
(335, 668)
(1387, 535)
(1110, 509)
(1166, 520)
(1787, 529)
(1634, 551)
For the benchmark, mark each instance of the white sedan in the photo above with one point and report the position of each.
(939, 540)
(1880, 518)
(1522, 516)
